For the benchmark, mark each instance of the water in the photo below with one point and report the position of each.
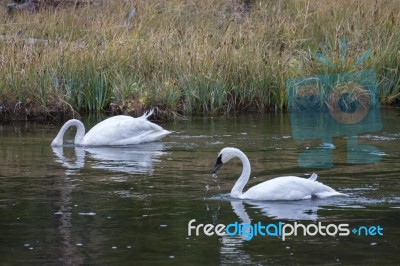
(132, 205)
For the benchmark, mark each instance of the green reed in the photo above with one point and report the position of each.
(208, 56)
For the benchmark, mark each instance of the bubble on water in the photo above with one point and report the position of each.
(59, 213)
(114, 247)
(163, 225)
(87, 213)
(79, 244)
(216, 143)
(172, 257)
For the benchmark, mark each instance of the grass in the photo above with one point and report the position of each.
(186, 57)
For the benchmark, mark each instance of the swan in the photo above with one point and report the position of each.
(116, 130)
(280, 188)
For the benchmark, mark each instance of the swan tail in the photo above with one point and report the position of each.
(313, 177)
(152, 136)
(147, 114)
(327, 194)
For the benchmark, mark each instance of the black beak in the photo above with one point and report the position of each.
(217, 165)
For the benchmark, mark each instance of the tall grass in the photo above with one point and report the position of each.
(211, 56)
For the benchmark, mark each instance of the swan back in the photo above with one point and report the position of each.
(124, 130)
(289, 188)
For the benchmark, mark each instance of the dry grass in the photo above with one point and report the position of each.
(209, 56)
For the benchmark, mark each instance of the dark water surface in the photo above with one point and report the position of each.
(132, 205)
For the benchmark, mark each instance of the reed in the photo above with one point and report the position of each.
(189, 57)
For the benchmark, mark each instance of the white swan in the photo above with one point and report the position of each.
(280, 188)
(116, 130)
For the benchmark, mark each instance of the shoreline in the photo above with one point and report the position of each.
(22, 112)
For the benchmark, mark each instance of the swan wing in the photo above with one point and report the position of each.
(124, 130)
(289, 188)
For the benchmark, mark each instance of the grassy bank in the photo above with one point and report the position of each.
(184, 57)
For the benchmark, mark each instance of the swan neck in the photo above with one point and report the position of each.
(80, 132)
(237, 189)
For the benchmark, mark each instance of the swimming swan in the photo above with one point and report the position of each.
(280, 188)
(116, 130)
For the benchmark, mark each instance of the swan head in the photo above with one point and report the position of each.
(224, 156)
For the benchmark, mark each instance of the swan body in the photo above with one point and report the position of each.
(116, 130)
(280, 188)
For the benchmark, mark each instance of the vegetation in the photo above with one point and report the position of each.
(183, 57)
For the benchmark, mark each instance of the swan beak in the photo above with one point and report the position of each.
(217, 165)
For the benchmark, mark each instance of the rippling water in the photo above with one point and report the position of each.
(131, 205)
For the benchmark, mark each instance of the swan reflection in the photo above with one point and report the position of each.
(294, 210)
(137, 159)
(232, 248)
(305, 210)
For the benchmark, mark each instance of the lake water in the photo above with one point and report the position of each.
(132, 205)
